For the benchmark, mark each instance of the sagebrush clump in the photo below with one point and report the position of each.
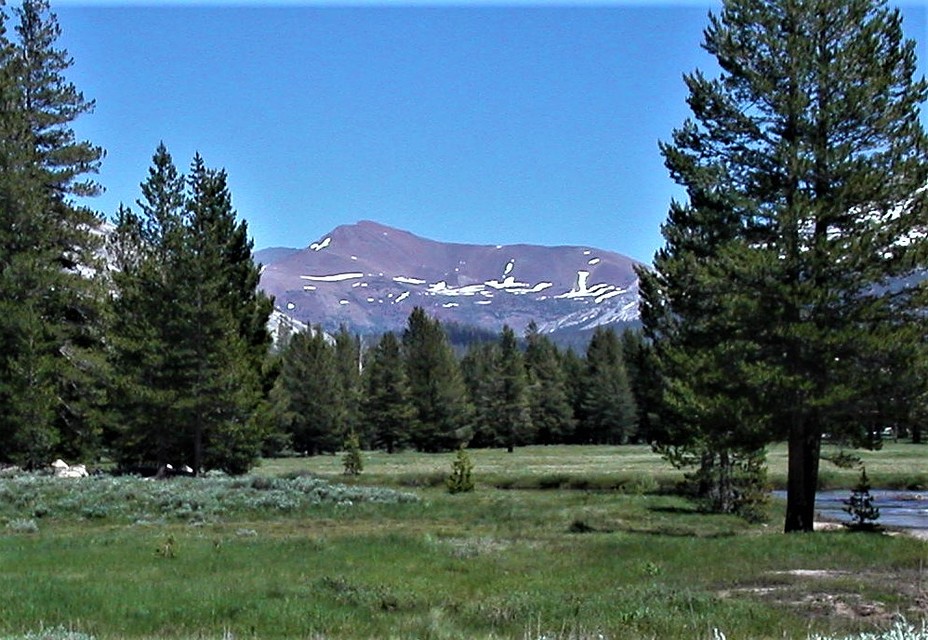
(29, 497)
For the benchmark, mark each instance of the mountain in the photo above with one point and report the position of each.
(369, 277)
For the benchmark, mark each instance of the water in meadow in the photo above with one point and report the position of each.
(898, 508)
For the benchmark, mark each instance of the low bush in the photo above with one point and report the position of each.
(133, 499)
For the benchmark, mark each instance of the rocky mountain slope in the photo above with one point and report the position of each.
(369, 277)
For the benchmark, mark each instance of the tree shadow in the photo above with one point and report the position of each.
(684, 511)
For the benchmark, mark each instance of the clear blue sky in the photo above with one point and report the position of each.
(471, 122)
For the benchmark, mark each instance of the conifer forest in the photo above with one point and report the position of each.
(787, 304)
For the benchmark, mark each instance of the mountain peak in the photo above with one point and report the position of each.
(369, 276)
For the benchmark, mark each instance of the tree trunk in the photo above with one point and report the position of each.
(726, 500)
(804, 452)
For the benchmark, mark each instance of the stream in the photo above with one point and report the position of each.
(898, 508)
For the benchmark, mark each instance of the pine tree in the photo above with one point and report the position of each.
(348, 366)
(461, 480)
(573, 367)
(51, 104)
(306, 397)
(229, 335)
(148, 351)
(51, 366)
(783, 286)
(549, 403)
(644, 378)
(438, 392)
(860, 507)
(387, 409)
(512, 413)
(609, 415)
(352, 462)
(478, 369)
(188, 340)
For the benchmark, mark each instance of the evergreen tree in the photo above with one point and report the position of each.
(387, 409)
(149, 355)
(229, 337)
(860, 507)
(573, 367)
(549, 402)
(352, 462)
(498, 389)
(306, 397)
(348, 366)
(438, 391)
(643, 375)
(609, 415)
(511, 398)
(478, 368)
(461, 480)
(188, 343)
(50, 367)
(784, 283)
(51, 104)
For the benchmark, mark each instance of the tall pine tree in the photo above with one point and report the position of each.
(150, 359)
(608, 412)
(549, 400)
(307, 397)
(784, 284)
(348, 365)
(438, 391)
(188, 339)
(387, 410)
(478, 369)
(51, 366)
(229, 337)
(511, 399)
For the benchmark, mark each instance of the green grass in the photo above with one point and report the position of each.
(630, 469)
(212, 558)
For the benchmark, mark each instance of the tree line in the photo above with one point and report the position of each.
(145, 342)
(787, 303)
(413, 392)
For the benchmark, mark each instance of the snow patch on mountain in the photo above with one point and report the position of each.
(319, 246)
(338, 277)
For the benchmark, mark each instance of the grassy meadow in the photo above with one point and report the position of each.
(629, 469)
(560, 542)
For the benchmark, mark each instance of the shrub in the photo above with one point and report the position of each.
(352, 460)
(54, 633)
(23, 526)
(460, 480)
(132, 499)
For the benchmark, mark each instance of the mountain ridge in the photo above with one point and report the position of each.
(368, 276)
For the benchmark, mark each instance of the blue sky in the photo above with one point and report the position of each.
(478, 122)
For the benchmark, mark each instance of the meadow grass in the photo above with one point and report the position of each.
(254, 558)
(630, 469)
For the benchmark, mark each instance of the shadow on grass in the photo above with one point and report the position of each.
(683, 511)
(678, 532)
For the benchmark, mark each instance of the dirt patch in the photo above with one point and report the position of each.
(823, 593)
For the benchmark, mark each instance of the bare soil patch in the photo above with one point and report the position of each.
(819, 593)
